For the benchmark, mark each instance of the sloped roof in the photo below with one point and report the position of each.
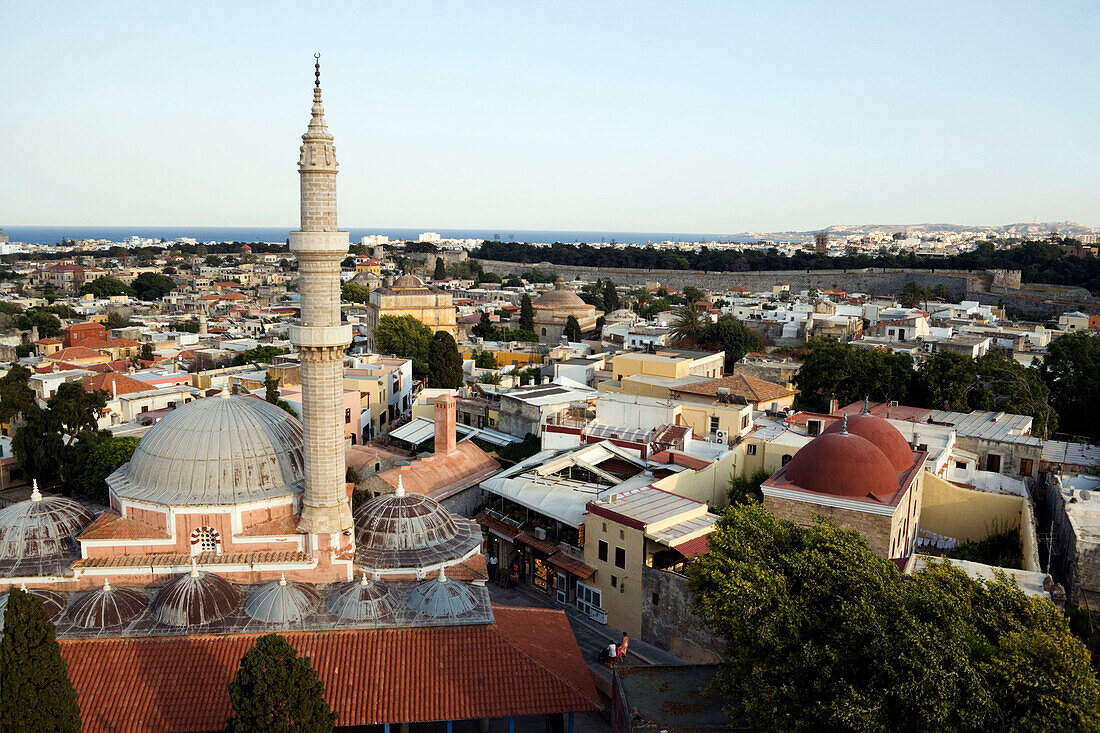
(751, 388)
(115, 383)
(75, 352)
(526, 663)
(110, 525)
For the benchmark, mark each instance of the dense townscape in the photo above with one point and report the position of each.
(833, 480)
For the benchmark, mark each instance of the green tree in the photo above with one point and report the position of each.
(276, 690)
(946, 381)
(730, 335)
(485, 360)
(687, 325)
(147, 353)
(103, 460)
(1071, 370)
(37, 693)
(271, 394)
(1012, 387)
(444, 362)
(355, 293)
(832, 369)
(16, 395)
(440, 270)
(484, 327)
(693, 294)
(820, 634)
(611, 300)
(913, 295)
(746, 489)
(115, 319)
(404, 336)
(526, 314)
(48, 324)
(572, 330)
(152, 286)
(106, 287)
(263, 354)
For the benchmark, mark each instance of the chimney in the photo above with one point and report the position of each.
(833, 406)
(445, 437)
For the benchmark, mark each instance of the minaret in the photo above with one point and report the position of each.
(320, 336)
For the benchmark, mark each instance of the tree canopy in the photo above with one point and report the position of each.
(444, 362)
(263, 354)
(526, 314)
(820, 634)
(106, 287)
(152, 286)
(355, 293)
(687, 325)
(104, 459)
(1071, 370)
(730, 335)
(37, 693)
(572, 329)
(404, 336)
(276, 690)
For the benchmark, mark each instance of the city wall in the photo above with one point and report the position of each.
(990, 288)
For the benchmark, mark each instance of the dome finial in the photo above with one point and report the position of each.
(194, 567)
(866, 406)
(282, 579)
(106, 584)
(844, 424)
(400, 490)
(442, 576)
(317, 70)
(36, 495)
(364, 582)
(225, 394)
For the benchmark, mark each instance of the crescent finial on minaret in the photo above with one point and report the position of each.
(317, 70)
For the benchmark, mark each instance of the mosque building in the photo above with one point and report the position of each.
(409, 296)
(861, 474)
(232, 519)
(552, 311)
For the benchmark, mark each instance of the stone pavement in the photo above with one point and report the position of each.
(591, 636)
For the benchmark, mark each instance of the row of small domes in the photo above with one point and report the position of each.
(197, 598)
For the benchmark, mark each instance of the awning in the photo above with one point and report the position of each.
(694, 546)
(572, 565)
(537, 544)
(500, 530)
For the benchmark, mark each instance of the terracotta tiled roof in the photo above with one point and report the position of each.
(273, 527)
(526, 663)
(48, 342)
(752, 389)
(75, 352)
(110, 525)
(206, 558)
(694, 546)
(124, 342)
(572, 565)
(114, 383)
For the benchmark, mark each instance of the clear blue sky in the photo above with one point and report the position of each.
(713, 117)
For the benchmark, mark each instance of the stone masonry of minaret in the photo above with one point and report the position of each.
(320, 336)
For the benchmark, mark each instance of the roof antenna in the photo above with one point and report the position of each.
(844, 424)
(866, 406)
(317, 70)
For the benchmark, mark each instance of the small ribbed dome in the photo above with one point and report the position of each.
(843, 464)
(407, 282)
(193, 599)
(402, 521)
(280, 602)
(54, 603)
(217, 450)
(40, 526)
(362, 600)
(441, 598)
(882, 434)
(107, 606)
(560, 300)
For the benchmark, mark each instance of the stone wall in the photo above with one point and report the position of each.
(670, 624)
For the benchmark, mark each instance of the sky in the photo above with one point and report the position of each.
(717, 117)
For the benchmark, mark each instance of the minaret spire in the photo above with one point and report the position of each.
(320, 334)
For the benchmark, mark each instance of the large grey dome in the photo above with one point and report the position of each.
(193, 599)
(40, 526)
(218, 450)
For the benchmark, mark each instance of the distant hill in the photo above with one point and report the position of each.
(1027, 230)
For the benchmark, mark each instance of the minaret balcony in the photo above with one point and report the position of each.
(320, 336)
(321, 242)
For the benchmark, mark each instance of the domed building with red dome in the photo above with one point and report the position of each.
(860, 474)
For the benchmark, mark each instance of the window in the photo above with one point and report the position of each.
(750, 449)
(714, 425)
(207, 540)
(605, 527)
(993, 463)
(347, 416)
(744, 421)
(786, 459)
(145, 408)
(1025, 466)
(656, 599)
(602, 550)
(614, 582)
(377, 466)
(622, 535)
(813, 428)
(961, 465)
(620, 558)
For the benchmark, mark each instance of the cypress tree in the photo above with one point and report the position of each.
(526, 314)
(276, 690)
(572, 329)
(440, 270)
(35, 691)
(444, 362)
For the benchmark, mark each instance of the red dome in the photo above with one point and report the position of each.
(882, 434)
(843, 465)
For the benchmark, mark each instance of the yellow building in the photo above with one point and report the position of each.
(368, 264)
(409, 296)
(669, 364)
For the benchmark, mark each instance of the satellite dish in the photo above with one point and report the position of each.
(1085, 495)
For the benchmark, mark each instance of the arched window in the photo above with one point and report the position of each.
(544, 332)
(786, 459)
(205, 539)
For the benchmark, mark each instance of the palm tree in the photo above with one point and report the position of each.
(687, 324)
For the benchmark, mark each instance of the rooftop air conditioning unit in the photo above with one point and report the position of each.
(540, 533)
(721, 436)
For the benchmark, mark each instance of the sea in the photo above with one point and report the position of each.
(54, 235)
